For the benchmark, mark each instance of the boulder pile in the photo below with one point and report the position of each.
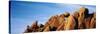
(80, 19)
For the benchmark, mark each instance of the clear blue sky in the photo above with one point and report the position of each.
(24, 13)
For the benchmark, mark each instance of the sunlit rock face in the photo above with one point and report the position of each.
(80, 19)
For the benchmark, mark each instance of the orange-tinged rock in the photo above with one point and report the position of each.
(70, 23)
(66, 21)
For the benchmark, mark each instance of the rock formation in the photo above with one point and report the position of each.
(80, 19)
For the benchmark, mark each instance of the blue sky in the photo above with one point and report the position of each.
(25, 13)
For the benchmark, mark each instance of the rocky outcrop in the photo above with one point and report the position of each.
(33, 28)
(80, 19)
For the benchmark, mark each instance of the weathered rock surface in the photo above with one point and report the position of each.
(80, 19)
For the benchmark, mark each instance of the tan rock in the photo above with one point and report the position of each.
(70, 23)
(93, 21)
(46, 29)
(81, 20)
(66, 21)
